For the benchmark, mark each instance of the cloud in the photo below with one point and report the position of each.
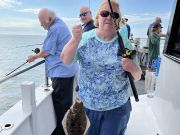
(30, 10)
(140, 22)
(70, 19)
(9, 3)
(29, 26)
(146, 17)
(18, 22)
(21, 27)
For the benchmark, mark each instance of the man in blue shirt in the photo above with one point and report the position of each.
(62, 76)
(86, 18)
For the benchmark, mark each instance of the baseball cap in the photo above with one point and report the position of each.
(157, 25)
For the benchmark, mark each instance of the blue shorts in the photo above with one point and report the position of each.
(152, 63)
(111, 122)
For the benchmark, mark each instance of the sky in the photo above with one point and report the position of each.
(20, 16)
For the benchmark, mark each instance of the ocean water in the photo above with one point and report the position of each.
(14, 50)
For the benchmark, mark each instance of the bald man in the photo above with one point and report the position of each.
(86, 18)
(62, 76)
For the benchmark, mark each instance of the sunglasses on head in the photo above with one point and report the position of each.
(105, 13)
(83, 14)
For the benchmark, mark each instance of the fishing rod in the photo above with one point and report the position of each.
(20, 72)
(89, 5)
(37, 50)
(125, 53)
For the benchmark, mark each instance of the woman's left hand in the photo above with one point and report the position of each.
(129, 66)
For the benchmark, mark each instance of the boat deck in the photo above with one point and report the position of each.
(142, 120)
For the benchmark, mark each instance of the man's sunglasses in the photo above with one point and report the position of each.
(105, 13)
(83, 14)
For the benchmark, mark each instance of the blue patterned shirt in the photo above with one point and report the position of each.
(103, 84)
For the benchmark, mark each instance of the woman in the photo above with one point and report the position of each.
(123, 27)
(103, 83)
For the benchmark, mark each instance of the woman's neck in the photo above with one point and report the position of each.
(105, 35)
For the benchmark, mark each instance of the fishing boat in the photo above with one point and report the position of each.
(155, 115)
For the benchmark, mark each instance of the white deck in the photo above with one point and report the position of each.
(142, 120)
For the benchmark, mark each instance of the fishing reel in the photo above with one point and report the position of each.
(37, 50)
(128, 53)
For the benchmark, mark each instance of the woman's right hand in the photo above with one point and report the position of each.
(77, 32)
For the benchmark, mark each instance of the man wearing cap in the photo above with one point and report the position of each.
(154, 46)
(86, 18)
(157, 21)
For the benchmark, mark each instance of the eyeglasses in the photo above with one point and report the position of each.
(83, 14)
(105, 13)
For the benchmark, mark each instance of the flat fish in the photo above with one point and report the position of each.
(75, 121)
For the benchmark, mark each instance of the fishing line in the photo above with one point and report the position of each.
(29, 45)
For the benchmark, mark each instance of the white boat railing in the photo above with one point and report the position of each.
(27, 117)
(34, 115)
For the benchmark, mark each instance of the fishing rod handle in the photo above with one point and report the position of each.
(134, 90)
(123, 51)
(131, 79)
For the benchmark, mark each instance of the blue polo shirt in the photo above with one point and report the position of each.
(57, 37)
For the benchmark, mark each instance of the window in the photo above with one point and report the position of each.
(176, 49)
(172, 43)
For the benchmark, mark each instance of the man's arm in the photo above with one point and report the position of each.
(41, 54)
(162, 35)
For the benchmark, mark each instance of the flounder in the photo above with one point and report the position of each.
(75, 121)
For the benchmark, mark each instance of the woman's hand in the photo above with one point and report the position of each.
(77, 33)
(70, 48)
(129, 66)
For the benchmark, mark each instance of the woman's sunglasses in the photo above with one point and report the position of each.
(105, 13)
